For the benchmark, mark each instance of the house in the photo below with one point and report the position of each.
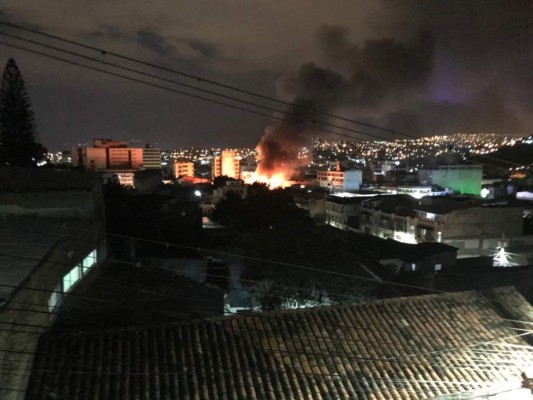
(460, 221)
(451, 345)
(52, 239)
(422, 257)
(343, 209)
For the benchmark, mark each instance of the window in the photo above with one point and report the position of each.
(71, 278)
(89, 261)
(54, 298)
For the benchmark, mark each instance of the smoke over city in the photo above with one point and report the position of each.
(361, 79)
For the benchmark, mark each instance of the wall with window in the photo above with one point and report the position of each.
(37, 301)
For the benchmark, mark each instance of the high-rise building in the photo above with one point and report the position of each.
(183, 169)
(107, 154)
(226, 164)
(151, 157)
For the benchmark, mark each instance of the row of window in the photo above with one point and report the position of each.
(71, 278)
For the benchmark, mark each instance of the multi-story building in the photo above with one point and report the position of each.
(183, 169)
(463, 179)
(107, 154)
(465, 223)
(340, 180)
(151, 158)
(226, 164)
(416, 191)
(342, 210)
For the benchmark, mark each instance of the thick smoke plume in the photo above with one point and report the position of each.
(361, 79)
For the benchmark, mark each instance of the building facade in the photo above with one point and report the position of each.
(235, 187)
(340, 180)
(343, 210)
(107, 154)
(183, 169)
(151, 158)
(441, 221)
(226, 164)
(463, 179)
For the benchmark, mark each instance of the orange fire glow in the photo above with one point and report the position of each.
(278, 174)
(276, 180)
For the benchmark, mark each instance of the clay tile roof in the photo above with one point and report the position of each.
(404, 348)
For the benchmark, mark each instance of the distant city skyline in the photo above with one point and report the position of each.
(418, 68)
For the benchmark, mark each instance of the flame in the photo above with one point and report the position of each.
(277, 173)
(274, 181)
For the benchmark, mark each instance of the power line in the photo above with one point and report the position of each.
(197, 78)
(312, 120)
(270, 261)
(176, 90)
(267, 316)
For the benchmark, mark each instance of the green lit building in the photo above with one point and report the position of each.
(463, 179)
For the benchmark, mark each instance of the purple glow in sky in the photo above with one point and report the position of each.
(474, 74)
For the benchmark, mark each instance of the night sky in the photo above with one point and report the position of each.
(421, 67)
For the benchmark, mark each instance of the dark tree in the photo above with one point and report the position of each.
(17, 123)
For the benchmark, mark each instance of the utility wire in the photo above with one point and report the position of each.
(196, 78)
(129, 78)
(232, 98)
(287, 368)
(269, 261)
(267, 316)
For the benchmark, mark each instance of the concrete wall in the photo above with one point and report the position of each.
(479, 222)
(26, 314)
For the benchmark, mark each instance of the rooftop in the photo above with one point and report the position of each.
(34, 179)
(413, 252)
(403, 348)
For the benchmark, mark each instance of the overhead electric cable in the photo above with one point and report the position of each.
(267, 316)
(129, 78)
(192, 87)
(195, 77)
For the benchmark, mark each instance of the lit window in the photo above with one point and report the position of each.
(54, 298)
(71, 278)
(430, 216)
(89, 261)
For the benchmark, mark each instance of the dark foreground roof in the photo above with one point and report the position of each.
(404, 348)
(35, 179)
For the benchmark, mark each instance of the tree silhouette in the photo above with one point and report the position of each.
(17, 122)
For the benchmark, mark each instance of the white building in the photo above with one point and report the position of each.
(341, 181)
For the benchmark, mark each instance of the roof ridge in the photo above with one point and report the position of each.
(226, 319)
